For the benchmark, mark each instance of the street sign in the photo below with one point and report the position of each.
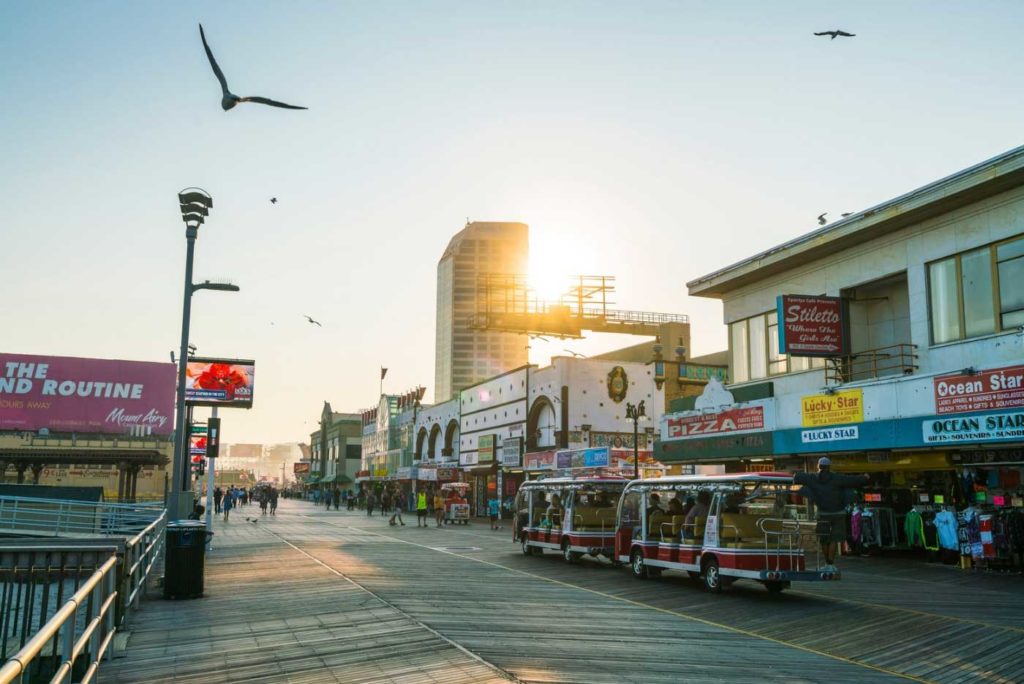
(198, 429)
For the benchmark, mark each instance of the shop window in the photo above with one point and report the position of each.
(978, 292)
(754, 344)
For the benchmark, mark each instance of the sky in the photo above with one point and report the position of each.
(652, 141)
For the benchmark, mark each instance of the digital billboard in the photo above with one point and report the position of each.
(68, 394)
(220, 382)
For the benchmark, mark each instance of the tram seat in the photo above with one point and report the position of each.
(695, 532)
(593, 519)
(654, 524)
(740, 531)
(671, 526)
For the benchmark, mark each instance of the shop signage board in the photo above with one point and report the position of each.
(734, 420)
(813, 326)
(617, 440)
(974, 428)
(300, 468)
(468, 459)
(427, 474)
(698, 373)
(68, 394)
(836, 434)
(712, 449)
(406, 473)
(539, 460)
(380, 472)
(989, 390)
(990, 457)
(485, 449)
(220, 382)
(594, 457)
(846, 406)
(511, 450)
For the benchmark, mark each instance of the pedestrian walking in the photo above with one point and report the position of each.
(421, 509)
(385, 502)
(830, 492)
(369, 502)
(264, 499)
(351, 501)
(218, 494)
(438, 506)
(397, 515)
(493, 511)
(273, 500)
(336, 497)
(228, 504)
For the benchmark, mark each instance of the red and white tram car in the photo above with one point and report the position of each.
(720, 528)
(574, 516)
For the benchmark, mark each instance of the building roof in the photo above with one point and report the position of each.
(970, 185)
(479, 227)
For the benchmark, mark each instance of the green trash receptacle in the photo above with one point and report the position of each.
(184, 559)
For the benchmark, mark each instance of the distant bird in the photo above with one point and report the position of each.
(835, 34)
(229, 99)
(273, 200)
(255, 520)
(821, 219)
(309, 318)
(849, 213)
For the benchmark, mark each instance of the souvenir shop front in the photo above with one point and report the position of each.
(944, 504)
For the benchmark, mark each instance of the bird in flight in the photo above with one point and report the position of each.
(846, 214)
(310, 319)
(835, 34)
(229, 99)
(821, 219)
(273, 200)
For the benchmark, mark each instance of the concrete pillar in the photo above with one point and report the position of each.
(133, 479)
(122, 479)
(20, 467)
(37, 470)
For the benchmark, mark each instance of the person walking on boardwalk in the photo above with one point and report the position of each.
(435, 494)
(218, 494)
(336, 497)
(228, 504)
(273, 500)
(397, 515)
(421, 509)
(369, 502)
(493, 510)
(830, 492)
(385, 500)
(264, 501)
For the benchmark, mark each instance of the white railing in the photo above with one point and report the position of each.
(108, 582)
(58, 517)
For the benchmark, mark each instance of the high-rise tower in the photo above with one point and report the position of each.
(465, 356)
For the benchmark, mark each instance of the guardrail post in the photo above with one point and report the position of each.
(110, 587)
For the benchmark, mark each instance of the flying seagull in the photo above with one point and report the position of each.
(310, 319)
(273, 200)
(821, 219)
(229, 99)
(834, 34)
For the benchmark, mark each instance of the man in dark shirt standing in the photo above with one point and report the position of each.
(825, 490)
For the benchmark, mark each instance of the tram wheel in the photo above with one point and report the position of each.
(524, 544)
(775, 586)
(636, 563)
(712, 576)
(569, 555)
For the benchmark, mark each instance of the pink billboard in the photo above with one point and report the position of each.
(67, 394)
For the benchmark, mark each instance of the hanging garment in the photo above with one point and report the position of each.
(946, 525)
(993, 479)
(987, 543)
(855, 524)
(931, 533)
(913, 527)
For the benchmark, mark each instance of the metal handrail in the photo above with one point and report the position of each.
(791, 530)
(98, 599)
(897, 359)
(54, 517)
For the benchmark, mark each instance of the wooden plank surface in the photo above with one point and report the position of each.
(311, 596)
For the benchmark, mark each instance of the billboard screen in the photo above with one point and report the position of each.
(219, 382)
(197, 445)
(68, 394)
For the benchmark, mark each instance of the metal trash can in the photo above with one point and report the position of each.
(184, 559)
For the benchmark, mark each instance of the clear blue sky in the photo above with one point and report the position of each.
(655, 141)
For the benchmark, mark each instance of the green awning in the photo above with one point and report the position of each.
(327, 480)
(343, 479)
(312, 480)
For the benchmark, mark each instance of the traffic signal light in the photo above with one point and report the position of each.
(213, 438)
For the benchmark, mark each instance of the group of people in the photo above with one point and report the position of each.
(336, 497)
(235, 497)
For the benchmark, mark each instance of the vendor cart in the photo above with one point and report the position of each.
(456, 503)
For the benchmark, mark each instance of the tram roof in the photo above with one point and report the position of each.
(574, 480)
(734, 478)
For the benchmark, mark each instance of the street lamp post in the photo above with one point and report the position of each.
(195, 204)
(636, 413)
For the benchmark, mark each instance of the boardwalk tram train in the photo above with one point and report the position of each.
(720, 528)
(573, 516)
